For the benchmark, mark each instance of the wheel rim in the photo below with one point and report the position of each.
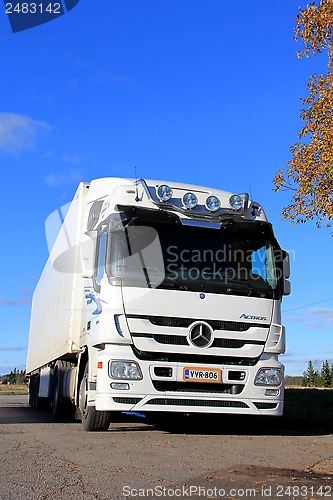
(83, 396)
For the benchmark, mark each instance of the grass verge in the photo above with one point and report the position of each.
(13, 390)
(309, 406)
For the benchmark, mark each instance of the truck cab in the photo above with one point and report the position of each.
(177, 304)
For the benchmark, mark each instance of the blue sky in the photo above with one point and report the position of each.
(191, 91)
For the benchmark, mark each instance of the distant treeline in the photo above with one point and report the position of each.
(15, 377)
(316, 375)
(293, 380)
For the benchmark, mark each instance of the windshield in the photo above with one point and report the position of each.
(241, 258)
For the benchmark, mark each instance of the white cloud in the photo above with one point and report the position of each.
(74, 176)
(54, 180)
(293, 318)
(73, 158)
(8, 302)
(48, 154)
(19, 132)
(314, 325)
(13, 348)
(25, 291)
(106, 77)
(293, 353)
(323, 313)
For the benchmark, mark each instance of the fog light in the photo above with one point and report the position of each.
(120, 386)
(164, 192)
(268, 376)
(213, 203)
(190, 200)
(125, 370)
(272, 392)
(236, 202)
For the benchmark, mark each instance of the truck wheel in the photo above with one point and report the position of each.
(57, 406)
(34, 400)
(31, 388)
(92, 419)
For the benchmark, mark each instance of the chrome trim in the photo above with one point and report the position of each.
(205, 334)
(185, 211)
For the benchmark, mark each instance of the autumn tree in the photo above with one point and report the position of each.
(310, 171)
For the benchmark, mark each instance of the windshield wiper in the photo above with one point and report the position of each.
(145, 270)
(180, 283)
(168, 277)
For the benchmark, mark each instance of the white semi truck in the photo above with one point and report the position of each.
(159, 297)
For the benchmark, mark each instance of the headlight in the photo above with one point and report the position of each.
(268, 376)
(236, 202)
(190, 200)
(123, 370)
(164, 192)
(213, 203)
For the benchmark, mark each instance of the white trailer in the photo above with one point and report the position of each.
(159, 297)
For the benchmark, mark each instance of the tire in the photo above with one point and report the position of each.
(62, 409)
(31, 390)
(92, 419)
(57, 406)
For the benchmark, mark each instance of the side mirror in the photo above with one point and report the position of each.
(87, 253)
(286, 287)
(286, 265)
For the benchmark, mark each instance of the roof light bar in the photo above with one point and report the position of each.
(164, 192)
(236, 202)
(190, 200)
(213, 203)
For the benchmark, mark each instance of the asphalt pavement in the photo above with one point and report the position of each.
(201, 457)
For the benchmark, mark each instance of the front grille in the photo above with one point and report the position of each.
(266, 406)
(195, 402)
(182, 340)
(172, 386)
(127, 401)
(235, 326)
(167, 339)
(193, 358)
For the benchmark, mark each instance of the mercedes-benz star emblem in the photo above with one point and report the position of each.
(201, 334)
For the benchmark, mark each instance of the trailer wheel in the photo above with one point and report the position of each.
(92, 419)
(34, 399)
(31, 392)
(57, 406)
(31, 399)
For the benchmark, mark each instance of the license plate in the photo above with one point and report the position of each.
(202, 375)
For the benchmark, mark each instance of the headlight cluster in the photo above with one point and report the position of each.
(190, 200)
(269, 376)
(124, 370)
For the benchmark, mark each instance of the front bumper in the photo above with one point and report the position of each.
(151, 394)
